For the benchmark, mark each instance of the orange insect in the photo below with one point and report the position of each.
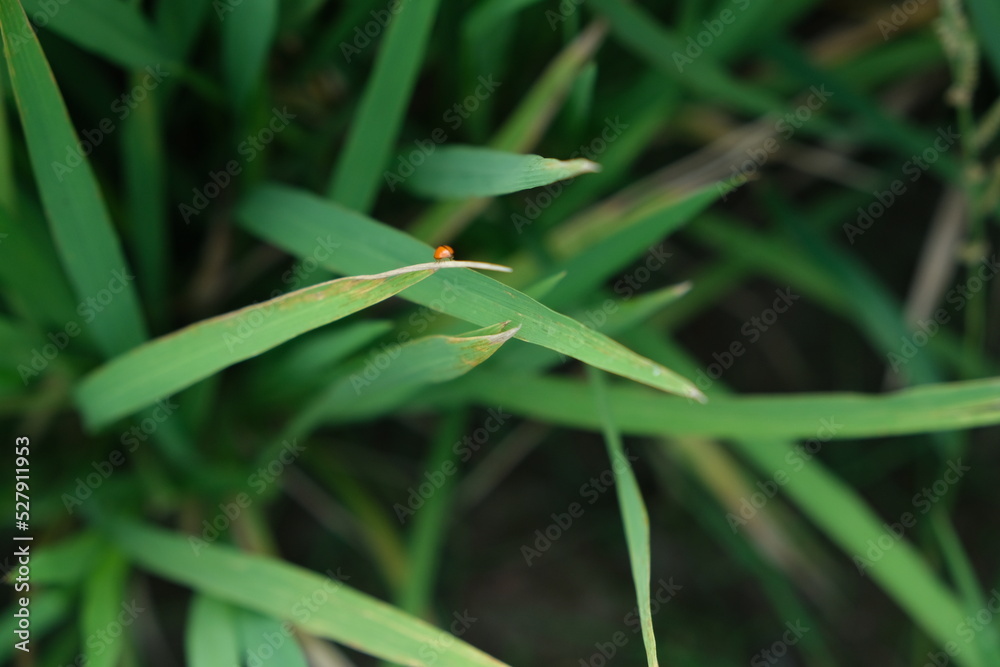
(444, 252)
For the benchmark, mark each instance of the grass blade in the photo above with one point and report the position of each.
(143, 158)
(458, 172)
(80, 224)
(247, 32)
(114, 30)
(103, 603)
(171, 363)
(937, 407)
(640, 32)
(210, 640)
(633, 511)
(377, 122)
(265, 638)
(269, 586)
(375, 388)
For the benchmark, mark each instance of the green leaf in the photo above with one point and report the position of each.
(171, 363)
(637, 30)
(272, 587)
(35, 287)
(391, 374)
(638, 411)
(102, 623)
(377, 121)
(633, 511)
(293, 219)
(248, 28)
(144, 161)
(621, 237)
(80, 224)
(179, 22)
(115, 30)
(457, 172)
(264, 638)
(211, 640)
(522, 130)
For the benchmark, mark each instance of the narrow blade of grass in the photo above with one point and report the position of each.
(115, 30)
(171, 363)
(964, 575)
(458, 172)
(293, 219)
(596, 259)
(179, 22)
(633, 511)
(638, 411)
(34, 286)
(639, 31)
(263, 638)
(248, 28)
(103, 604)
(144, 161)
(272, 587)
(377, 122)
(80, 224)
(8, 183)
(390, 375)
(211, 640)
(430, 525)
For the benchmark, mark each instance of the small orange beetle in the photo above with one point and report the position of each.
(444, 252)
